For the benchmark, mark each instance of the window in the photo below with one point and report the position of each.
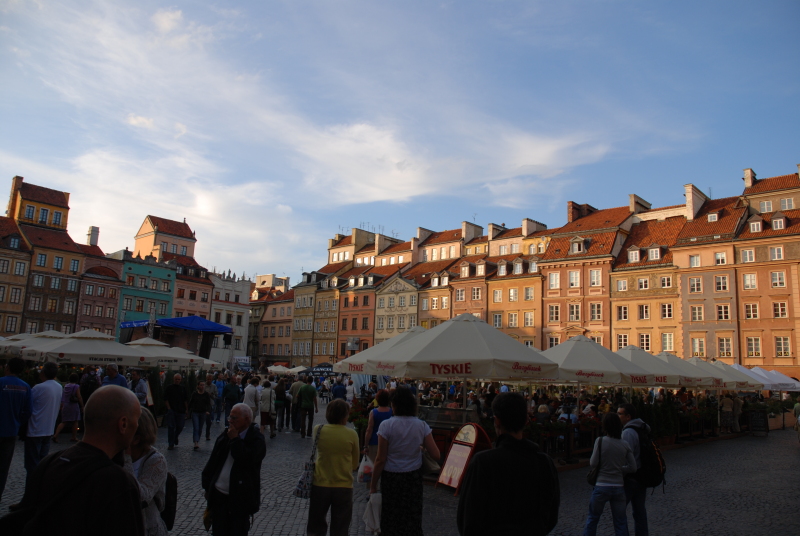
(497, 320)
(518, 268)
(434, 254)
(787, 203)
(644, 312)
(513, 294)
(528, 293)
(183, 252)
(666, 281)
(503, 250)
(644, 341)
(38, 280)
(174, 248)
(643, 283)
(15, 296)
(765, 206)
(434, 303)
(755, 226)
(721, 283)
(452, 253)
(355, 301)
(218, 320)
(142, 282)
(193, 295)
(476, 293)
(127, 304)
(390, 322)
(98, 309)
(667, 342)
(497, 296)
(695, 284)
(465, 271)
(74, 265)
(112, 293)
(528, 319)
(19, 268)
(753, 346)
(748, 255)
(140, 306)
(776, 253)
(633, 256)
(576, 247)
(11, 324)
(90, 290)
(713, 217)
(697, 313)
(698, 347)
(413, 299)
(779, 310)
(552, 342)
(480, 269)
(512, 320)
(778, 223)
(574, 312)
(533, 267)
(782, 348)
(43, 214)
(401, 322)
(33, 326)
(750, 282)
(424, 304)
(41, 259)
(751, 310)
(460, 294)
(694, 261)
(594, 278)
(365, 323)
(412, 321)
(723, 311)
(554, 313)
(3, 266)
(381, 303)
(622, 340)
(35, 303)
(595, 311)
(724, 346)
(666, 310)
(401, 301)
(444, 302)
(622, 312)
(778, 279)
(14, 243)
(720, 258)
(554, 280)
(445, 280)
(379, 323)
(29, 211)
(574, 279)
(622, 285)
(501, 269)
(162, 308)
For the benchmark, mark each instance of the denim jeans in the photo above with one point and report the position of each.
(219, 403)
(6, 454)
(635, 494)
(615, 495)
(197, 425)
(176, 420)
(36, 448)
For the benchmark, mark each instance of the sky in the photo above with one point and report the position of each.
(273, 125)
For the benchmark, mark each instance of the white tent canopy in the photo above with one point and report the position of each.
(780, 381)
(755, 375)
(463, 347)
(14, 345)
(89, 347)
(357, 364)
(580, 359)
(664, 373)
(721, 380)
(702, 378)
(279, 369)
(743, 381)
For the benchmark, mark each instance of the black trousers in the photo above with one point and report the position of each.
(223, 521)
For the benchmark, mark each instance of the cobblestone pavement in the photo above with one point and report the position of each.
(745, 485)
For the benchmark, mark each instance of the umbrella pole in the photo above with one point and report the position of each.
(464, 401)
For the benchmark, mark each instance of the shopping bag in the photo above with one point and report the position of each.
(372, 514)
(303, 488)
(365, 470)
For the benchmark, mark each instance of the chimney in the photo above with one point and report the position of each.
(495, 230)
(530, 226)
(470, 231)
(16, 184)
(92, 235)
(334, 240)
(573, 211)
(637, 204)
(423, 233)
(749, 177)
(694, 200)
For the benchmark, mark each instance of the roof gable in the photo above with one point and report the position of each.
(171, 227)
(46, 196)
(49, 238)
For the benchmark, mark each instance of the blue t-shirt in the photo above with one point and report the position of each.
(339, 391)
(377, 418)
(15, 405)
(118, 380)
(219, 384)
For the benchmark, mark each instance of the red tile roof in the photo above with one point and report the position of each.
(478, 240)
(356, 271)
(49, 238)
(664, 208)
(728, 218)
(274, 297)
(183, 260)
(8, 227)
(602, 219)
(599, 244)
(389, 269)
(647, 233)
(333, 267)
(365, 249)
(772, 184)
(102, 270)
(509, 233)
(172, 227)
(394, 248)
(792, 226)
(442, 237)
(470, 259)
(94, 251)
(346, 241)
(40, 194)
(420, 272)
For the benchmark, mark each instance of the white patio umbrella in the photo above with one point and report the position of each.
(295, 370)
(463, 347)
(721, 380)
(280, 369)
(164, 355)
(580, 359)
(13, 347)
(357, 364)
(664, 373)
(701, 379)
(780, 381)
(743, 381)
(202, 363)
(755, 375)
(89, 347)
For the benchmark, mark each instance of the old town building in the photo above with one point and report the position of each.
(15, 261)
(230, 307)
(514, 290)
(98, 306)
(264, 288)
(395, 306)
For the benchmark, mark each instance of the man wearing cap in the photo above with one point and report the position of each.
(113, 376)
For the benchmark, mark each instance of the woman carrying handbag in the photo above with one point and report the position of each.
(611, 459)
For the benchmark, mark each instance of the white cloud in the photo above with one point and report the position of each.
(181, 129)
(166, 20)
(139, 121)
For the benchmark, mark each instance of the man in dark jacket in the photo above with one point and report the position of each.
(232, 476)
(513, 481)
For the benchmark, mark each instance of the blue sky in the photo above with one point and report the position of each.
(270, 125)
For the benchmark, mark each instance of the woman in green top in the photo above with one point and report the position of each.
(337, 458)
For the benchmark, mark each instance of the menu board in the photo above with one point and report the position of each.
(759, 423)
(470, 438)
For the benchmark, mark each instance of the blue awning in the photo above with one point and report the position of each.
(194, 323)
(134, 324)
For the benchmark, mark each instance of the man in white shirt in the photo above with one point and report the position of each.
(251, 396)
(45, 405)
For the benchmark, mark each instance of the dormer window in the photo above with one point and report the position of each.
(465, 271)
(534, 267)
(755, 226)
(541, 248)
(360, 281)
(334, 281)
(518, 268)
(501, 269)
(14, 243)
(445, 280)
(352, 281)
(633, 256)
(654, 254)
(179, 269)
(481, 269)
(358, 261)
(778, 223)
(202, 273)
(435, 282)
(392, 260)
(576, 245)
(370, 280)
(324, 284)
(713, 217)
(191, 272)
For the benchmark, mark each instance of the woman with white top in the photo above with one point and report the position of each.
(350, 389)
(615, 458)
(398, 464)
(149, 468)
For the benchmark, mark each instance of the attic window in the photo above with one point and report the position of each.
(465, 271)
(501, 269)
(179, 269)
(778, 223)
(633, 256)
(352, 281)
(14, 243)
(534, 267)
(518, 268)
(541, 248)
(435, 282)
(481, 270)
(360, 281)
(324, 284)
(334, 281)
(370, 280)
(576, 247)
(202, 273)
(654, 254)
(445, 280)
(713, 217)
(755, 226)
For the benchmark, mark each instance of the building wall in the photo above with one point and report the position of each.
(526, 306)
(326, 326)
(14, 268)
(303, 332)
(275, 336)
(48, 307)
(98, 306)
(355, 336)
(192, 298)
(135, 300)
(231, 307)
(397, 300)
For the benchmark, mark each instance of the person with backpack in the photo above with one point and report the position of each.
(149, 468)
(512, 488)
(635, 432)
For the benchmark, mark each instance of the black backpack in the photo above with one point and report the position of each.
(651, 473)
(170, 501)
(546, 518)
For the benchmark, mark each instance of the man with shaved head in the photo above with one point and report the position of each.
(232, 476)
(87, 477)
